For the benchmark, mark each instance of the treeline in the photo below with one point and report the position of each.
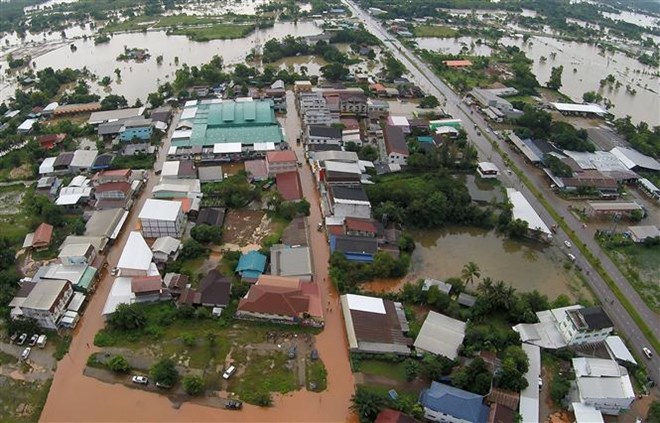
(538, 124)
(290, 46)
(642, 137)
(422, 8)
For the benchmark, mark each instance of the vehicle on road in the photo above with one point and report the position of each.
(26, 353)
(479, 133)
(140, 380)
(319, 227)
(21, 339)
(647, 352)
(568, 244)
(233, 404)
(230, 371)
(540, 383)
(299, 164)
(571, 257)
(33, 340)
(115, 271)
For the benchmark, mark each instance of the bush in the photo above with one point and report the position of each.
(193, 385)
(118, 364)
(412, 368)
(191, 249)
(165, 372)
(206, 233)
(189, 340)
(128, 317)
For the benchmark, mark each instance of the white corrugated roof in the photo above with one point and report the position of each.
(523, 210)
(596, 367)
(172, 150)
(160, 210)
(166, 244)
(190, 103)
(618, 349)
(188, 113)
(47, 165)
(332, 166)
(441, 335)
(83, 158)
(579, 108)
(632, 158)
(529, 397)
(227, 147)
(586, 414)
(120, 293)
(180, 134)
(364, 303)
(263, 146)
(136, 254)
(170, 168)
(399, 121)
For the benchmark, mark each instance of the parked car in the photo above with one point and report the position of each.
(26, 353)
(33, 340)
(230, 371)
(292, 352)
(314, 355)
(140, 380)
(163, 385)
(647, 352)
(233, 404)
(21, 339)
(115, 271)
(568, 244)
(41, 342)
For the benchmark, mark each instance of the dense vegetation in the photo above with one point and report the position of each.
(538, 124)
(643, 138)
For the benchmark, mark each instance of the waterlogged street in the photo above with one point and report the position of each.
(77, 398)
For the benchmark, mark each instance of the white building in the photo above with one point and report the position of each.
(136, 258)
(603, 384)
(77, 254)
(349, 202)
(440, 335)
(47, 302)
(161, 218)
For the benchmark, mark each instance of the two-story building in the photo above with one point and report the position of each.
(321, 134)
(585, 326)
(281, 161)
(349, 201)
(161, 218)
(395, 145)
(136, 129)
(47, 302)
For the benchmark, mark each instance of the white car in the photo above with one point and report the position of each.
(140, 380)
(26, 353)
(230, 371)
(115, 271)
(571, 257)
(647, 352)
(568, 244)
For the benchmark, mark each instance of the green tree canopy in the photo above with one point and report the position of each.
(164, 371)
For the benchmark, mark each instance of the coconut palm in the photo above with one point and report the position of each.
(471, 272)
(367, 404)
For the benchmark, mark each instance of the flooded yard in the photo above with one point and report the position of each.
(458, 45)
(441, 254)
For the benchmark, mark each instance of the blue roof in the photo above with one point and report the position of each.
(455, 402)
(425, 139)
(253, 261)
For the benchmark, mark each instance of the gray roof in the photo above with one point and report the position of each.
(441, 335)
(44, 294)
(355, 193)
(110, 115)
(110, 128)
(103, 222)
(287, 261)
(325, 131)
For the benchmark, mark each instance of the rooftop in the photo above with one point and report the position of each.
(349, 193)
(455, 402)
(44, 294)
(322, 131)
(289, 261)
(395, 140)
(160, 210)
(136, 254)
(524, 211)
(288, 184)
(281, 156)
(112, 115)
(441, 335)
(282, 296)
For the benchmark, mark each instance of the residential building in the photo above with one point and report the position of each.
(166, 249)
(349, 201)
(113, 191)
(147, 289)
(291, 262)
(214, 291)
(26, 127)
(494, 98)
(256, 170)
(97, 118)
(47, 302)
(251, 265)
(603, 384)
(400, 122)
(440, 335)
(82, 160)
(446, 404)
(341, 173)
(77, 254)
(162, 114)
(395, 145)
(375, 325)
(640, 234)
(210, 174)
(281, 161)
(585, 325)
(136, 258)
(369, 228)
(177, 188)
(355, 248)
(289, 185)
(322, 134)
(212, 216)
(284, 300)
(49, 141)
(319, 117)
(302, 86)
(136, 129)
(109, 176)
(161, 218)
(40, 238)
(106, 223)
(178, 169)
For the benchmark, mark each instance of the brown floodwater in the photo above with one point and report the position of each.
(441, 254)
(76, 398)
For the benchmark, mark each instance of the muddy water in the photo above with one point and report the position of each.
(466, 45)
(139, 79)
(591, 68)
(76, 398)
(441, 254)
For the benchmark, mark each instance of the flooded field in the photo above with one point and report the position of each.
(459, 45)
(591, 66)
(441, 254)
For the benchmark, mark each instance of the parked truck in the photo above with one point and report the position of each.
(41, 341)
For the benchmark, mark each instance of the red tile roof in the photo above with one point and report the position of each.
(124, 187)
(50, 140)
(146, 284)
(377, 87)
(115, 172)
(457, 63)
(42, 235)
(281, 156)
(282, 296)
(336, 230)
(362, 225)
(288, 184)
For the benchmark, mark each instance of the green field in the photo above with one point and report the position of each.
(387, 369)
(22, 401)
(641, 267)
(139, 22)
(216, 32)
(434, 31)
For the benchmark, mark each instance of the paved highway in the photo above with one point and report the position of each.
(430, 83)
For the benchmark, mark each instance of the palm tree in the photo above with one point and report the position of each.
(367, 404)
(471, 272)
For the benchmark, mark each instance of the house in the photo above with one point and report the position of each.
(108, 176)
(440, 335)
(47, 302)
(375, 325)
(256, 170)
(113, 191)
(120, 293)
(399, 121)
(210, 174)
(395, 145)
(136, 129)
(147, 289)
(82, 160)
(97, 118)
(354, 226)
(40, 238)
(341, 173)
(349, 201)
(178, 169)
(444, 403)
(355, 248)
(177, 188)
(49, 186)
(214, 291)
(49, 141)
(77, 254)
(74, 197)
(166, 249)
(586, 413)
(302, 86)
(288, 184)
(106, 223)
(321, 134)
(161, 114)
(102, 161)
(291, 262)
(81, 276)
(212, 216)
(26, 127)
(251, 265)
(136, 258)
(457, 64)
(161, 218)
(640, 234)
(175, 283)
(280, 162)
(282, 300)
(603, 384)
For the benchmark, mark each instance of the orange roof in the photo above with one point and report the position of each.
(288, 184)
(146, 284)
(186, 203)
(281, 156)
(377, 87)
(283, 296)
(362, 225)
(42, 235)
(457, 63)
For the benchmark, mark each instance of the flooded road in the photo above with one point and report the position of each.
(441, 254)
(76, 398)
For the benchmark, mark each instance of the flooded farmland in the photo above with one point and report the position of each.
(458, 45)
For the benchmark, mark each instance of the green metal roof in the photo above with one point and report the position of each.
(87, 278)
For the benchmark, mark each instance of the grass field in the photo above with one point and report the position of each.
(139, 22)
(215, 32)
(22, 401)
(434, 31)
(264, 373)
(387, 369)
(641, 267)
(317, 375)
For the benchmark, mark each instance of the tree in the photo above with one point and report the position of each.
(118, 364)
(514, 366)
(654, 412)
(518, 228)
(475, 377)
(205, 234)
(105, 81)
(429, 102)
(193, 385)
(334, 71)
(470, 272)
(554, 83)
(128, 317)
(367, 404)
(412, 368)
(113, 102)
(191, 249)
(118, 73)
(592, 97)
(188, 339)
(164, 371)
(437, 299)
